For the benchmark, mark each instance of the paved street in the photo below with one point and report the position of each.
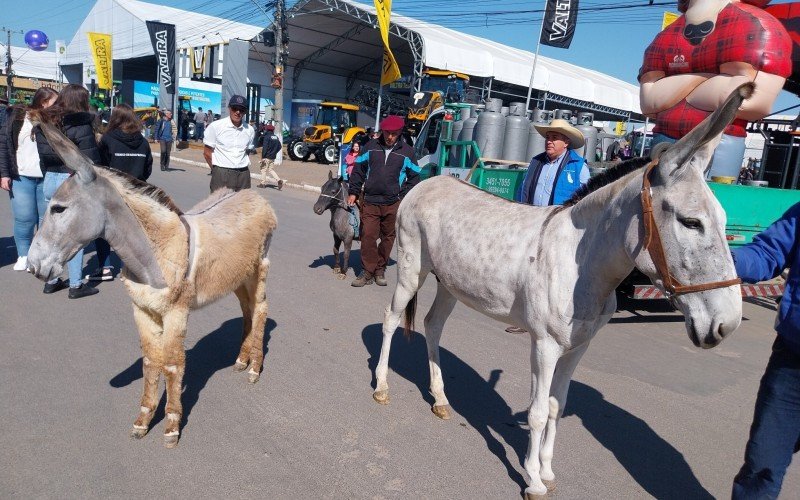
(648, 415)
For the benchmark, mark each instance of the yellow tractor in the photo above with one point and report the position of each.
(334, 125)
(438, 87)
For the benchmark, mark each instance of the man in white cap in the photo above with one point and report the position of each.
(553, 176)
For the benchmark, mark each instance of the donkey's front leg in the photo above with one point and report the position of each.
(174, 356)
(337, 268)
(243, 359)
(544, 356)
(150, 330)
(565, 367)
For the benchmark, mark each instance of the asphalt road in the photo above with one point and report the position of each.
(648, 414)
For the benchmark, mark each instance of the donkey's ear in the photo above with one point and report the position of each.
(698, 145)
(330, 175)
(69, 153)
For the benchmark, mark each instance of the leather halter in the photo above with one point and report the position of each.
(654, 245)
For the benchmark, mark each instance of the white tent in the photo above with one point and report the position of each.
(125, 20)
(31, 64)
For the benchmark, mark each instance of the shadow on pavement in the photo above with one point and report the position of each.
(214, 352)
(470, 395)
(765, 302)
(652, 462)
(327, 260)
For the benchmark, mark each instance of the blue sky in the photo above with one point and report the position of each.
(611, 42)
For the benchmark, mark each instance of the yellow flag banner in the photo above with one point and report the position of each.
(669, 18)
(100, 45)
(390, 72)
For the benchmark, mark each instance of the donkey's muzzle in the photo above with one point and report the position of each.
(696, 33)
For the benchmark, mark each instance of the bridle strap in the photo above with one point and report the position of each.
(654, 245)
(340, 202)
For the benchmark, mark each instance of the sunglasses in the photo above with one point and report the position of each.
(238, 110)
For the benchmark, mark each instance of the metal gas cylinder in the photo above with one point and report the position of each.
(515, 141)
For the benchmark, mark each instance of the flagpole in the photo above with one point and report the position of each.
(378, 111)
(535, 58)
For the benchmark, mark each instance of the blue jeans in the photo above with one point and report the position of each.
(28, 206)
(775, 433)
(52, 181)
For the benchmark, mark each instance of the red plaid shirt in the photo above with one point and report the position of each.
(743, 33)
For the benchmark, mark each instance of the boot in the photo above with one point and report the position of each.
(380, 280)
(81, 291)
(365, 278)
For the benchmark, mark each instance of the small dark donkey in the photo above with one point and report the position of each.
(333, 197)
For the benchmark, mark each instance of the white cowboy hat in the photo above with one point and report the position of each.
(563, 127)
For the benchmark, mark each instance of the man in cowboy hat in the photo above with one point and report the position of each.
(387, 170)
(553, 176)
(271, 146)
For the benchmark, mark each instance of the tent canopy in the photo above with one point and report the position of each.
(28, 63)
(341, 37)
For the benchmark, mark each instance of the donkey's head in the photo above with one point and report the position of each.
(691, 224)
(75, 215)
(330, 194)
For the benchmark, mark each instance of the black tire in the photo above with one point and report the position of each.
(297, 150)
(328, 154)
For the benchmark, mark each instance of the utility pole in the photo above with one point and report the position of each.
(277, 77)
(9, 62)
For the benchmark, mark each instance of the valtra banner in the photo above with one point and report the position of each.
(560, 18)
(162, 36)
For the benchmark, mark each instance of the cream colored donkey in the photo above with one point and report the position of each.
(174, 262)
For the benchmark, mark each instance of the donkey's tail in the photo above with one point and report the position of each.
(410, 312)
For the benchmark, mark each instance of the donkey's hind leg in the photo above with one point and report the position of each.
(410, 278)
(150, 330)
(442, 306)
(259, 307)
(243, 359)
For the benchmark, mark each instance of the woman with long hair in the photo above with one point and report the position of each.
(124, 148)
(20, 173)
(71, 114)
(350, 158)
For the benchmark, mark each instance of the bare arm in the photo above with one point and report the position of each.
(207, 151)
(658, 92)
(711, 94)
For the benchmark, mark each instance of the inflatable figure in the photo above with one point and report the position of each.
(694, 64)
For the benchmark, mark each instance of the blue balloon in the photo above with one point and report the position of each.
(36, 40)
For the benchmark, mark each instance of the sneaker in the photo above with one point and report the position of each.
(22, 264)
(280, 185)
(104, 274)
(55, 286)
(262, 185)
(380, 280)
(365, 278)
(81, 290)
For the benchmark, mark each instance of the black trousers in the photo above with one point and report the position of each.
(231, 178)
(166, 147)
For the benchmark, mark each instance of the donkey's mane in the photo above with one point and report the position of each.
(138, 187)
(611, 175)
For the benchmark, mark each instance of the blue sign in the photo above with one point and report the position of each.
(144, 94)
(205, 99)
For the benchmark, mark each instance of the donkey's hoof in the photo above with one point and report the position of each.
(442, 412)
(253, 378)
(550, 484)
(138, 432)
(535, 494)
(381, 397)
(171, 440)
(341, 276)
(239, 366)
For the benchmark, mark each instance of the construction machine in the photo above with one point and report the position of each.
(437, 88)
(334, 125)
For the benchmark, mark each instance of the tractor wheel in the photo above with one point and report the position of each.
(297, 150)
(328, 154)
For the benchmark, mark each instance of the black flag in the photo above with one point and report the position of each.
(560, 18)
(162, 37)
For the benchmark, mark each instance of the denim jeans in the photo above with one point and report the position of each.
(775, 433)
(28, 206)
(52, 181)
